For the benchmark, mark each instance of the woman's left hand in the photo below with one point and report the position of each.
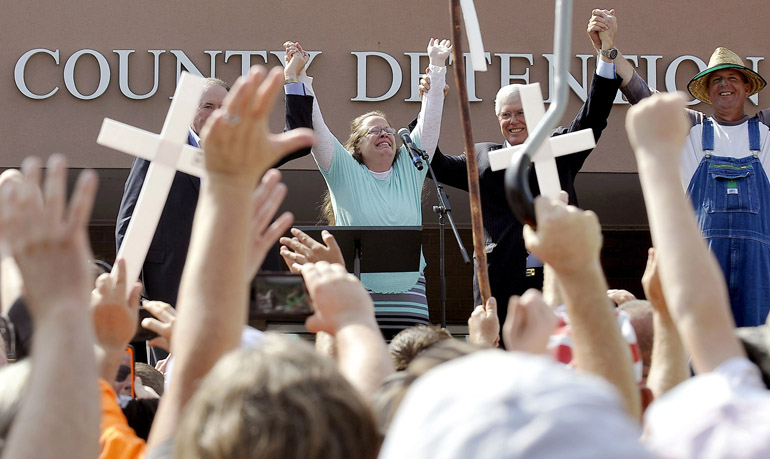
(438, 51)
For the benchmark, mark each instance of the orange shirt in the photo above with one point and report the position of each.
(117, 440)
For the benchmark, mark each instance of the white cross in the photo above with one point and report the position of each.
(545, 157)
(473, 31)
(168, 152)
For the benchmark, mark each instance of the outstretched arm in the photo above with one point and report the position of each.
(115, 320)
(570, 240)
(450, 170)
(345, 310)
(294, 74)
(213, 296)
(692, 281)
(668, 365)
(49, 242)
(428, 127)
(11, 286)
(295, 61)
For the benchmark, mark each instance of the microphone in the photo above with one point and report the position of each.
(414, 152)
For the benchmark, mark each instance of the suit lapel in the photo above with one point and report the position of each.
(196, 182)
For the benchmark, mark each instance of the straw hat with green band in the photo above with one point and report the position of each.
(723, 58)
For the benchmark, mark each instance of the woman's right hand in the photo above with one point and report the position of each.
(295, 60)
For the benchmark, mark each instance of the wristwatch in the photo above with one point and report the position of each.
(610, 54)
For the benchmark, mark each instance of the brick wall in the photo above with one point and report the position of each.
(624, 257)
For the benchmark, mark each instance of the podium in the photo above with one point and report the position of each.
(375, 249)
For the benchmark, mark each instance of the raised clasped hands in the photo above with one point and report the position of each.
(602, 28)
(295, 59)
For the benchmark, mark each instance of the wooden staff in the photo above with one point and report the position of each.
(477, 222)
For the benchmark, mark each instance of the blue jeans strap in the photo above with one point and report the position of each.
(754, 134)
(707, 137)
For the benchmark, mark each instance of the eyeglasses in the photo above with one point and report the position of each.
(518, 114)
(377, 131)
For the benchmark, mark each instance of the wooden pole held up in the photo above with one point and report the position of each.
(470, 155)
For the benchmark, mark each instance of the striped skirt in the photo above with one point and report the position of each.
(397, 311)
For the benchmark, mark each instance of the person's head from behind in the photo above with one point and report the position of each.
(510, 404)
(410, 342)
(150, 376)
(373, 141)
(280, 400)
(640, 313)
(388, 397)
(510, 114)
(214, 93)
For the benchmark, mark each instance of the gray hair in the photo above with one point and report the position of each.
(506, 94)
(216, 82)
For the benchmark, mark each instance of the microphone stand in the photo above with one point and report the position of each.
(443, 209)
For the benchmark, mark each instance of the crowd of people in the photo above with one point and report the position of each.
(573, 369)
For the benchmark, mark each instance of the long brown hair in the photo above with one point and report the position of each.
(327, 211)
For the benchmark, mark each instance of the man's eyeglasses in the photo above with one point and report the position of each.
(518, 114)
(378, 131)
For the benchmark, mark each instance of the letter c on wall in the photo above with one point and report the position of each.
(21, 64)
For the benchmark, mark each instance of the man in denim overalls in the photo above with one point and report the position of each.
(724, 169)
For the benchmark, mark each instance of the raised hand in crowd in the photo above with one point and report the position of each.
(692, 415)
(11, 285)
(162, 323)
(344, 309)
(484, 326)
(243, 148)
(301, 249)
(529, 323)
(265, 202)
(570, 240)
(668, 366)
(213, 301)
(620, 296)
(691, 280)
(49, 242)
(114, 317)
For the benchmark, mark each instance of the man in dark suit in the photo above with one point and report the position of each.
(506, 254)
(162, 269)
